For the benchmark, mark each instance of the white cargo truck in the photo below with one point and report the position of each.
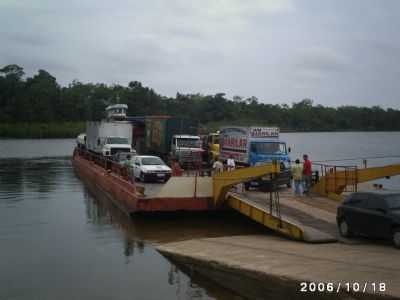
(109, 137)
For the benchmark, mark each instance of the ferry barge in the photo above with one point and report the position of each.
(186, 193)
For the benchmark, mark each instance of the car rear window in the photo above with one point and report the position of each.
(393, 201)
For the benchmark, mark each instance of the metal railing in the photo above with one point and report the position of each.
(103, 162)
(344, 178)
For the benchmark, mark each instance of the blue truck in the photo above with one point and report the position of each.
(253, 146)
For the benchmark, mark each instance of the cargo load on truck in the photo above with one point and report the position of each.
(253, 146)
(109, 137)
(168, 137)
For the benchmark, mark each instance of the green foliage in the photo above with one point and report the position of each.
(40, 107)
(42, 130)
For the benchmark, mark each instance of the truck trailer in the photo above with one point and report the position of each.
(109, 137)
(168, 137)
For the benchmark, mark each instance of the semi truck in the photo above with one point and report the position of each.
(168, 137)
(253, 146)
(109, 137)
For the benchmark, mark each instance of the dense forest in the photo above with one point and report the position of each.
(39, 106)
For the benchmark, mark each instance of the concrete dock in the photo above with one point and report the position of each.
(272, 266)
(268, 266)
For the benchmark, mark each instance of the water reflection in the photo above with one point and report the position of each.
(158, 228)
(101, 212)
(140, 232)
(19, 176)
(58, 241)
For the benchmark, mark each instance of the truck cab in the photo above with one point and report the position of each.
(267, 151)
(262, 152)
(113, 144)
(211, 147)
(186, 149)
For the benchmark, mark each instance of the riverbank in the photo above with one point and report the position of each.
(42, 130)
(268, 266)
(71, 129)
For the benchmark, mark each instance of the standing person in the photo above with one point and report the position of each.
(128, 165)
(218, 166)
(176, 168)
(230, 163)
(127, 162)
(307, 174)
(297, 173)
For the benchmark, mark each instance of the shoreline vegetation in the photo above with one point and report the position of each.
(56, 130)
(38, 107)
(41, 130)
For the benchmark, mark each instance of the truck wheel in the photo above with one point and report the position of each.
(396, 237)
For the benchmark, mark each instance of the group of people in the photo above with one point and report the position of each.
(302, 176)
(218, 166)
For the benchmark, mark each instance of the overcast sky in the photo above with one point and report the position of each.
(334, 52)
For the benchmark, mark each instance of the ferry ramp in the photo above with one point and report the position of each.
(278, 211)
(294, 218)
(312, 220)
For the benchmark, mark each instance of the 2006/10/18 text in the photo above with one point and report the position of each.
(330, 287)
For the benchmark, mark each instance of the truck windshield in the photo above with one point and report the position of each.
(152, 161)
(189, 143)
(268, 148)
(117, 140)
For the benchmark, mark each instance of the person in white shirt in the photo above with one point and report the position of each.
(230, 163)
(218, 166)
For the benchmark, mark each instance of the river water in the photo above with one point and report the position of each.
(59, 241)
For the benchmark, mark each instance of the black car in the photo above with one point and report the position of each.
(371, 214)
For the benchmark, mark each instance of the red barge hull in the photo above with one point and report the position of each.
(125, 193)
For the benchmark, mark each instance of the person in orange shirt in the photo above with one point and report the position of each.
(176, 169)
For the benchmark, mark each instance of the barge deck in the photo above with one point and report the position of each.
(178, 194)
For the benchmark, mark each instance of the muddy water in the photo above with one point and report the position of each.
(60, 239)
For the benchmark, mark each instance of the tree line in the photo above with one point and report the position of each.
(41, 100)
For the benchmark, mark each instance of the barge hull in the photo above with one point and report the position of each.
(124, 193)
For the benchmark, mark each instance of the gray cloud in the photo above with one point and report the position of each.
(336, 52)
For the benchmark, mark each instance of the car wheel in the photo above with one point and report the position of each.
(142, 177)
(396, 237)
(344, 229)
